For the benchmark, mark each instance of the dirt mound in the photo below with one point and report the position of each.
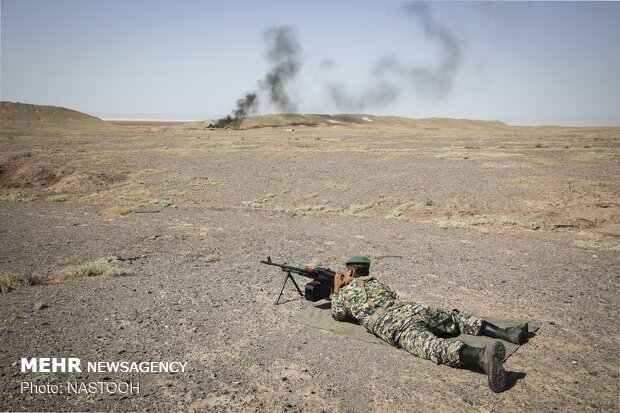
(85, 181)
(18, 114)
(359, 120)
(36, 174)
(21, 171)
(266, 121)
(292, 120)
(449, 123)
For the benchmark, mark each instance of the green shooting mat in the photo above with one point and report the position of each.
(320, 317)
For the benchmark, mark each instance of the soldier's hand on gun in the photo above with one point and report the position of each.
(338, 281)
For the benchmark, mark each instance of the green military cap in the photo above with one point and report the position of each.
(359, 261)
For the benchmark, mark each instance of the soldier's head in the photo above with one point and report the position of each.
(357, 266)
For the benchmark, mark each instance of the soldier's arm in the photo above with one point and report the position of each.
(339, 308)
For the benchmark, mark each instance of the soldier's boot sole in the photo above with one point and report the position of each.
(493, 364)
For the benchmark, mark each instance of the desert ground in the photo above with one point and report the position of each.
(519, 223)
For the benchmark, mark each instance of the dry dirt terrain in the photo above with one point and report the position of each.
(519, 223)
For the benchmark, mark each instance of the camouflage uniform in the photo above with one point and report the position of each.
(408, 325)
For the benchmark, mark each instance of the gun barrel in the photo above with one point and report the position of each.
(314, 273)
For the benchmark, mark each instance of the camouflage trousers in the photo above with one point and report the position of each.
(419, 336)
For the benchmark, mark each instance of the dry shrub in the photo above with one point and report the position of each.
(598, 244)
(116, 211)
(91, 270)
(13, 280)
(56, 198)
(355, 209)
(161, 202)
(86, 181)
(400, 210)
(193, 255)
(241, 268)
(19, 279)
(68, 261)
(211, 258)
(448, 223)
(256, 203)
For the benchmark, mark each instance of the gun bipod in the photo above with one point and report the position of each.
(288, 275)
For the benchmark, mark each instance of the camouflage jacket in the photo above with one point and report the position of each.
(393, 315)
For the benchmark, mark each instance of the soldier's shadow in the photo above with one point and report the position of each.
(290, 300)
(512, 377)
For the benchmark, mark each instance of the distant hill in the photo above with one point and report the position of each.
(360, 120)
(21, 116)
(13, 115)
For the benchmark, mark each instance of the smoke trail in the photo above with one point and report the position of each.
(284, 55)
(436, 82)
(379, 94)
(385, 85)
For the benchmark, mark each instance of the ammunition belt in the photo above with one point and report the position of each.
(379, 312)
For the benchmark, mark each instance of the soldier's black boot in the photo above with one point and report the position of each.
(490, 359)
(516, 334)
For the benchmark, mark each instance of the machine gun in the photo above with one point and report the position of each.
(320, 287)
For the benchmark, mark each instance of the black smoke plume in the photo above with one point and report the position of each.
(284, 55)
(244, 107)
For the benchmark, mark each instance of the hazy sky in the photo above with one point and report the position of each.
(519, 62)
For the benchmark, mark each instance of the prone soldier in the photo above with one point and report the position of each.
(412, 326)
